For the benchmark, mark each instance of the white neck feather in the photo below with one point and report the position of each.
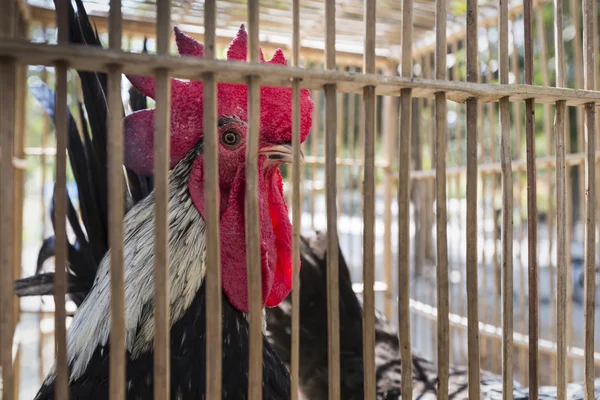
(91, 323)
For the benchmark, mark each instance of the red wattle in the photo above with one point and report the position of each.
(275, 238)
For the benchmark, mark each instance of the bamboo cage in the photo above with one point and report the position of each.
(453, 157)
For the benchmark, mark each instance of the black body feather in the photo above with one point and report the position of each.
(188, 355)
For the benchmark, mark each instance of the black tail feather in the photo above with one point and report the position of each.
(88, 161)
(43, 285)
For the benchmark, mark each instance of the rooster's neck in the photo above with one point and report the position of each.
(187, 247)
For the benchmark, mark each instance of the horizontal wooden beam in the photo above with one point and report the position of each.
(97, 59)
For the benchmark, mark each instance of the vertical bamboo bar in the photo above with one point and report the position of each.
(369, 99)
(252, 212)
(7, 139)
(60, 206)
(115, 210)
(296, 206)
(472, 285)
(460, 333)
(577, 60)
(507, 210)
(161, 184)
(214, 330)
(339, 147)
(314, 141)
(590, 198)
(441, 146)
(518, 150)
(390, 111)
(548, 131)
(19, 167)
(333, 316)
(561, 210)
(531, 206)
(428, 201)
(404, 201)
(43, 212)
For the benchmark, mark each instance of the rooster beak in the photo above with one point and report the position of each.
(281, 153)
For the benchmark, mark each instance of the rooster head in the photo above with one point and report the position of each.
(274, 150)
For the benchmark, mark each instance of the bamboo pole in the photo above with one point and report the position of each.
(369, 378)
(333, 317)
(590, 199)
(7, 141)
(60, 205)
(253, 261)
(441, 135)
(19, 170)
(541, 34)
(315, 136)
(577, 64)
(507, 211)
(561, 210)
(531, 207)
(94, 59)
(44, 173)
(115, 210)
(459, 151)
(390, 132)
(214, 330)
(162, 117)
(472, 284)
(296, 207)
(404, 202)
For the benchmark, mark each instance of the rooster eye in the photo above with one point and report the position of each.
(230, 138)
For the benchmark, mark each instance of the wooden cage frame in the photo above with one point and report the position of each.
(15, 54)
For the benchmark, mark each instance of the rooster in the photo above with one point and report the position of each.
(313, 343)
(88, 275)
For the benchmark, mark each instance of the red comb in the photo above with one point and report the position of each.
(186, 108)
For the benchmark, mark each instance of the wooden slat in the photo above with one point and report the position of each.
(460, 335)
(472, 284)
(561, 210)
(404, 201)
(576, 61)
(531, 207)
(390, 131)
(589, 60)
(333, 317)
(315, 137)
(60, 205)
(548, 130)
(7, 140)
(339, 148)
(296, 207)
(441, 147)
(214, 334)
(115, 211)
(94, 59)
(253, 260)
(43, 209)
(507, 210)
(19, 189)
(162, 123)
(517, 108)
(369, 378)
